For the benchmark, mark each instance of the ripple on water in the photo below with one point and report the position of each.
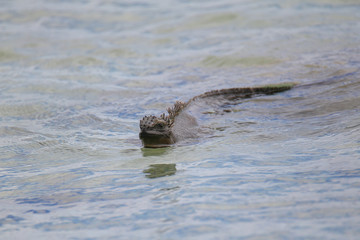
(76, 77)
(26, 111)
(9, 56)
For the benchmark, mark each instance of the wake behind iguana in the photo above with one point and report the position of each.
(178, 125)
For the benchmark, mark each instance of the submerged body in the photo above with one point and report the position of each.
(178, 125)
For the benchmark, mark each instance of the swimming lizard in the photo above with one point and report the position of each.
(176, 125)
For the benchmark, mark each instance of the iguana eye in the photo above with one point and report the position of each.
(159, 125)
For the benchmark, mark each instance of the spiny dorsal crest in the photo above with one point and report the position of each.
(173, 112)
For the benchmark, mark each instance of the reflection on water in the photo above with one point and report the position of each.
(160, 170)
(147, 152)
(77, 76)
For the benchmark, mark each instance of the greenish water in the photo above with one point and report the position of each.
(76, 78)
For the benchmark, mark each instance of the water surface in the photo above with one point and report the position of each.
(76, 78)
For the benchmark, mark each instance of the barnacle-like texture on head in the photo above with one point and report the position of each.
(152, 123)
(159, 125)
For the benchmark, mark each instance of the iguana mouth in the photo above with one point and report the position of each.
(156, 140)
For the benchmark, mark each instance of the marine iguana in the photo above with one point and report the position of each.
(177, 125)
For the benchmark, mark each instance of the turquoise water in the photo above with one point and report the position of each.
(76, 78)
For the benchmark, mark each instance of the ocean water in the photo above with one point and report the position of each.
(77, 76)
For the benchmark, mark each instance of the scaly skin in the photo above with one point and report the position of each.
(159, 131)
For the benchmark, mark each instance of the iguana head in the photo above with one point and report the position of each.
(156, 131)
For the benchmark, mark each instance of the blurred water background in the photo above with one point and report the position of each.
(76, 77)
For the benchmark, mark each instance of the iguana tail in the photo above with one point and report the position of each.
(248, 92)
